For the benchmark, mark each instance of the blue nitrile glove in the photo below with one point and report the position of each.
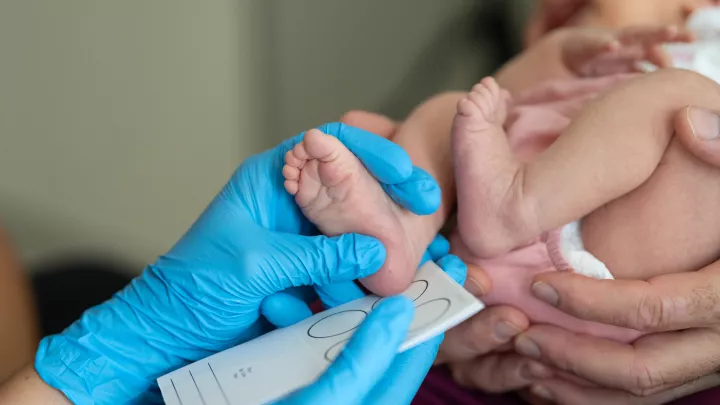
(204, 295)
(385, 376)
(291, 306)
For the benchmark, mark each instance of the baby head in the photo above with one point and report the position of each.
(617, 14)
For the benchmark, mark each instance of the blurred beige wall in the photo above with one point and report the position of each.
(119, 120)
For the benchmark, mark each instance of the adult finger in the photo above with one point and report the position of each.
(651, 364)
(485, 332)
(333, 295)
(659, 56)
(668, 302)
(439, 247)
(322, 260)
(498, 372)
(562, 89)
(650, 36)
(385, 160)
(699, 130)
(419, 193)
(562, 392)
(336, 294)
(454, 268)
(406, 374)
(478, 282)
(283, 309)
(362, 363)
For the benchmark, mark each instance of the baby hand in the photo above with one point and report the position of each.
(591, 52)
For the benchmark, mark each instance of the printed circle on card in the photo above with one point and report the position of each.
(337, 324)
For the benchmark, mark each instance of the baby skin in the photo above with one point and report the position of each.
(337, 193)
(339, 196)
(644, 201)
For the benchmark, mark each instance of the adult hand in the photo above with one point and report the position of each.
(204, 295)
(479, 351)
(386, 377)
(680, 356)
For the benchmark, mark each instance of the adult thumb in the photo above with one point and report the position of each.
(699, 130)
(322, 260)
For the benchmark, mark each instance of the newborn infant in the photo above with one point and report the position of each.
(643, 199)
(615, 167)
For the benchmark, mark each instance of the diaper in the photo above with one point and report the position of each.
(702, 56)
(561, 250)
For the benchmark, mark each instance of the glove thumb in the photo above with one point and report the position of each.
(374, 346)
(322, 260)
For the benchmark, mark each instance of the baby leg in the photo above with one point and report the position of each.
(336, 192)
(609, 150)
(664, 226)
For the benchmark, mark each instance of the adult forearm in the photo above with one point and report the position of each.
(27, 388)
(18, 320)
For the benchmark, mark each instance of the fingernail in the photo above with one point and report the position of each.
(542, 392)
(537, 370)
(505, 331)
(705, 124)
(475, 287)
(527, 347)
(544, 292)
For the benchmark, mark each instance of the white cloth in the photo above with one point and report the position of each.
(702, 56)
(581, 261)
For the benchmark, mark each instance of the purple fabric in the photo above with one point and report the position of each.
(439, 389)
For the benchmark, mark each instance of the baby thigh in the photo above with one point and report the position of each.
(667, 225)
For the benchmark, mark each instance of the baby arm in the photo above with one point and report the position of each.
(588, 52)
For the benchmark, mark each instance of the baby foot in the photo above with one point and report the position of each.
(600, 52)
(337, 193)
(493, 217)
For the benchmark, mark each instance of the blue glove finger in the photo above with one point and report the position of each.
(419, 194)
(386, 161)
(439, 247)
(322, 260)
(306, 294)
(426, 257)
(336, 294)
(411, 367)
(454, 267)
(409, 186)
(283, 309)
(364, 360)
(407, 373)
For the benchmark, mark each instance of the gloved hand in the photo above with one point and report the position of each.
(204, 295)
(385, 376)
